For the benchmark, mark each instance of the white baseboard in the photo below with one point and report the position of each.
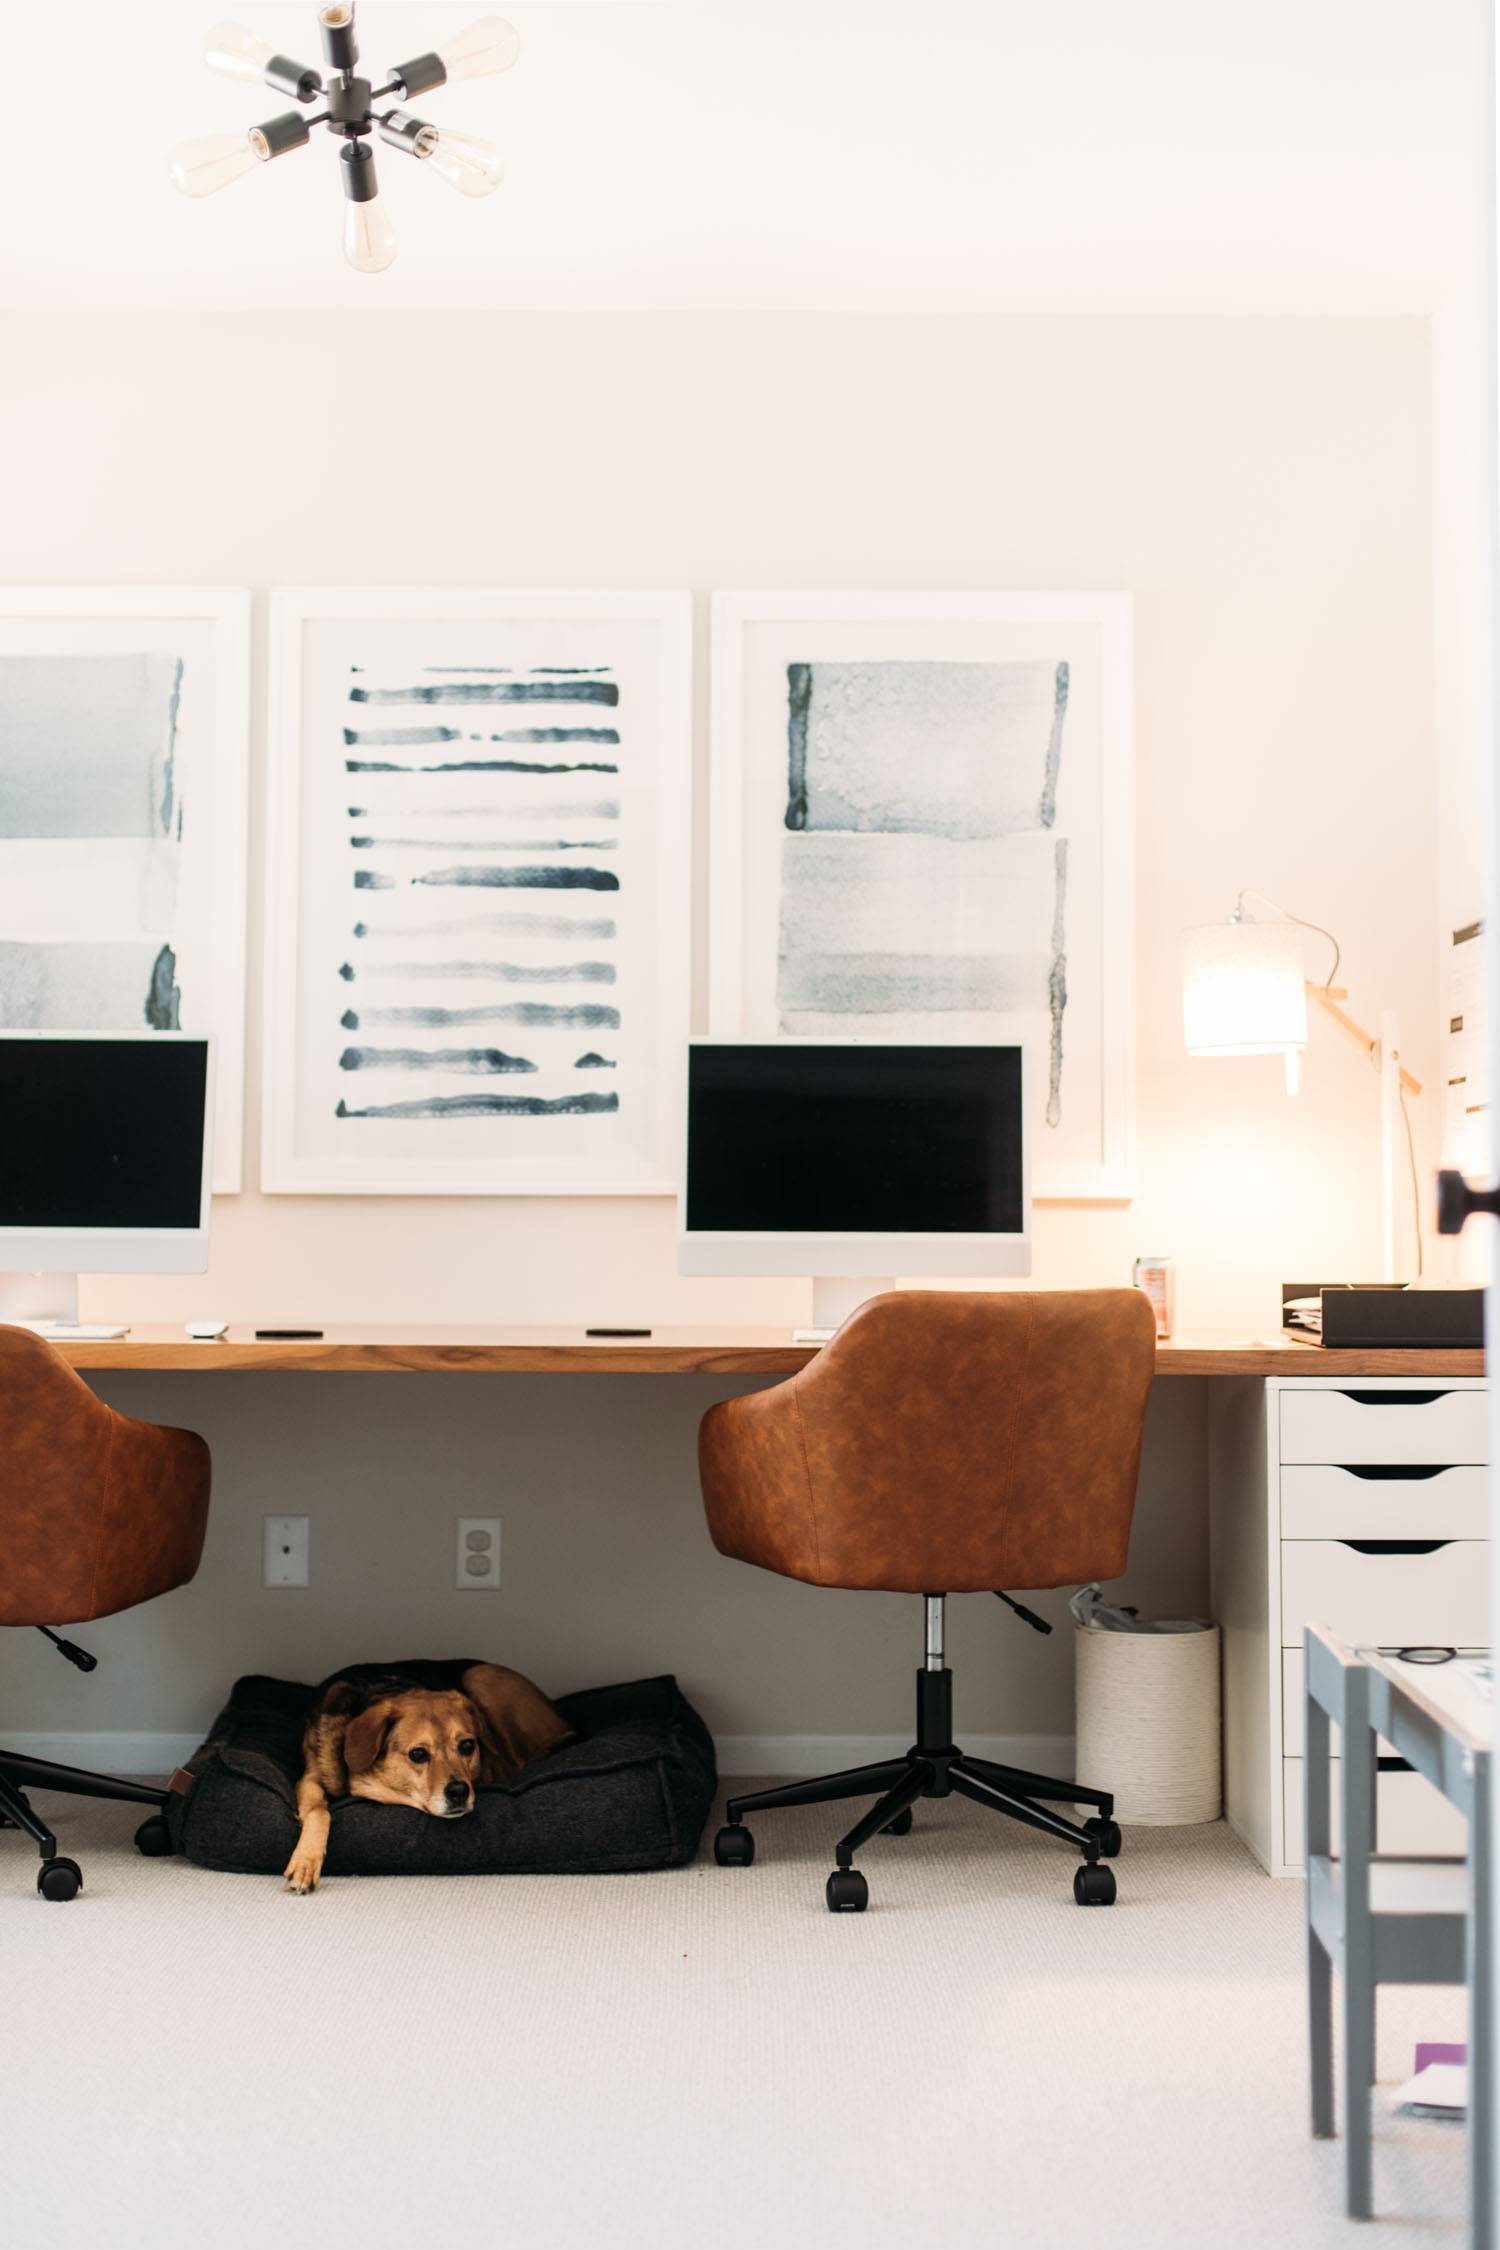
(792, 1755)
(796, 1755)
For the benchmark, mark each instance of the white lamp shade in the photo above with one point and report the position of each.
(1242, 989)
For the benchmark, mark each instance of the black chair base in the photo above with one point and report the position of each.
(936, 1767)
(58, 1878)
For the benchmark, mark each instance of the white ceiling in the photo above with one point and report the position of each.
(1297, 155)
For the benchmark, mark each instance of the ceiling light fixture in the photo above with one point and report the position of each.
(472, 166)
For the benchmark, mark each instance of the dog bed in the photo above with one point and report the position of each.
(632, 1792)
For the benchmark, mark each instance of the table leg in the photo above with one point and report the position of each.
(1316, 1828)
(1359, 1947)
(1481, 2011)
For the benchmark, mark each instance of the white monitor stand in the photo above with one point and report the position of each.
(48, 1303)
(835, 1297)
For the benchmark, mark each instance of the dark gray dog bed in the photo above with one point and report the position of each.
(632, 1792)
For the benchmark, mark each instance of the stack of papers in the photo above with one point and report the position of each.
(1440, 2085)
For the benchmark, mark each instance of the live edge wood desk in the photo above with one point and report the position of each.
(1347, 1489)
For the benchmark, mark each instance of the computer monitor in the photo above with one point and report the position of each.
(845, 1159)
(104, 1162)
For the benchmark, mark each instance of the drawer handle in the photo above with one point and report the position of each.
(1396, 1398)
(1401, 1471)
(1396, 1546)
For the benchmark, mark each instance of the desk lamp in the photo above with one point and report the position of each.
(1244, 992)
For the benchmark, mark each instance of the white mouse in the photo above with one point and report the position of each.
(205, 1331)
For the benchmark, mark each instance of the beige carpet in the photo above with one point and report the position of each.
(705, 2058)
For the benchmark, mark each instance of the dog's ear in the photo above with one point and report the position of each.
(516, 1721)
(366, 1735)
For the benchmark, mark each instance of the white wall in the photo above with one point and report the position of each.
(1263, 487)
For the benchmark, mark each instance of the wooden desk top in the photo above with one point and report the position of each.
(672, 1351)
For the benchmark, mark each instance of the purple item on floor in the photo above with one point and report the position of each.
(1431, 2051)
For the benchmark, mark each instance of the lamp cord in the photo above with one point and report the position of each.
(1411, 1158)
(1338, 955)
(1302, 924)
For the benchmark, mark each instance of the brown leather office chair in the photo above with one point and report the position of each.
(942, 1443)
(97, 1512)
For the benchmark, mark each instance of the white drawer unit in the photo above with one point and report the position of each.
(1419, 1423)
(1411, 1817)
(1365, 1502)
(1293, 1706)
(1384, 1592)
(1359, 1505)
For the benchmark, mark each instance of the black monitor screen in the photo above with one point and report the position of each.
(101, 1132)
(804, 1139)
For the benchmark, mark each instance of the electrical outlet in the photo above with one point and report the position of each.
(477, 1557)
(284, 1555)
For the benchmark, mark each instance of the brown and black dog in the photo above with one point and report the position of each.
(386, 1733)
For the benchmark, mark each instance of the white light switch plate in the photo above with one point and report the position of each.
(285, 1551)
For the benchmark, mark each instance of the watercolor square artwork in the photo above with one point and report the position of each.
(922, 831)
(123, 742)
(478, 919)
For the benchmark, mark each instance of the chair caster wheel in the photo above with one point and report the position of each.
(153, 1838)
(900, 1826)
(734, 1846)
(59, 1878)
(1094, 1886)
(1106, 1834)
(848, 1892)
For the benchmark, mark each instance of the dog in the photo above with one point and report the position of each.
(391, 1733)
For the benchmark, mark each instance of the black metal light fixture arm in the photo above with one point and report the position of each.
(418, 76)
(349, 106)
(340, 42)
(291, 77)
(278, 134)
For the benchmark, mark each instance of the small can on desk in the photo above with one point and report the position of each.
(1158, 1277)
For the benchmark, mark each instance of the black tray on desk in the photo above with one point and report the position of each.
(1388, 1316)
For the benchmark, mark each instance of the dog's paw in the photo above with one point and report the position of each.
(303, 1870)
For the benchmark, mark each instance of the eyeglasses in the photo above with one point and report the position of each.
(1420, 1655)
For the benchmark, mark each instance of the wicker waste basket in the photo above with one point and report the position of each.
(1148, 1715)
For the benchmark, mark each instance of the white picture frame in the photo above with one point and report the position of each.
(60, 891)
(643, 787)
(756, 634)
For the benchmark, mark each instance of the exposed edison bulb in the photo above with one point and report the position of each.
(466, 162)
(204, 166)
(236, 52)
(489, 45)
(369, 237)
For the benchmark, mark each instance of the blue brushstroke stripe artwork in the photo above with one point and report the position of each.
(587, 1015)
(480, 844)
(522, 878)
(487, 1062)
(93, 813)
(478, 765)
(450, 799)
(90, 745)
(416, 738)
(492, 1105)
(501, 972)
(492, 691)
(923, 876)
